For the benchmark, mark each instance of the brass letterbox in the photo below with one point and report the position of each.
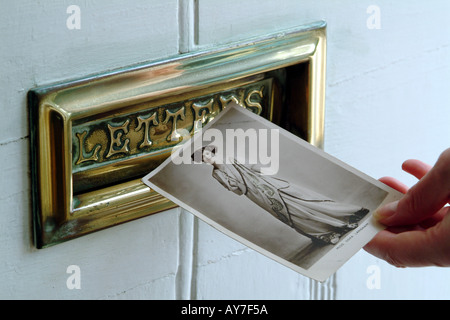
(93, 139)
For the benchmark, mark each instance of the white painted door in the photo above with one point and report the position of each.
(386, 100)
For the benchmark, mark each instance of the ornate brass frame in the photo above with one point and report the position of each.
(93, 139)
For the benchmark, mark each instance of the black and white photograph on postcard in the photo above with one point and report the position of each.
(274, 192)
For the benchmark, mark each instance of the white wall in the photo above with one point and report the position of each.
(386, 101)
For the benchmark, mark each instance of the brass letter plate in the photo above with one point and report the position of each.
(93, 139)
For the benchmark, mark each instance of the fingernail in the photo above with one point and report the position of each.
(386, 211)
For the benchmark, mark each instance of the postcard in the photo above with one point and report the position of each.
(274, 192)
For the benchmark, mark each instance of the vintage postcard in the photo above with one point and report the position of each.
(273, 192)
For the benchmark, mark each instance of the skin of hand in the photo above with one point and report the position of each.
(418, 225)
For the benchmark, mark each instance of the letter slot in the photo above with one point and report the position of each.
(93, 139)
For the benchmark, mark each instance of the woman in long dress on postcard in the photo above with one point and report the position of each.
(309, 213)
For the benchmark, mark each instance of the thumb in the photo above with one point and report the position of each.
(423, 200)
(414, 248)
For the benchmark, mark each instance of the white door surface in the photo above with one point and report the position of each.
(387, 100)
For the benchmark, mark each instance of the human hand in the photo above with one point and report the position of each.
(418, 225)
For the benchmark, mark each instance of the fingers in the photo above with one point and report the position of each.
(395, 184)
(417, 248)
(418, 232)
(417, 168)
(425, 198)
(414, 167)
